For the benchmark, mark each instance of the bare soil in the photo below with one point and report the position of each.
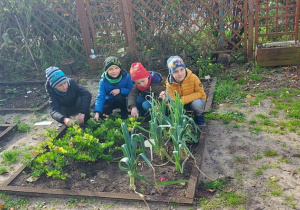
(22, 96)
(97, 177)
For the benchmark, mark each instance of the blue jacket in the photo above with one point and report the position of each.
(105, 87)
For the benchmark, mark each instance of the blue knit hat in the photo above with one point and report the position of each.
(55, 76)
(51, 70)
(173, 62)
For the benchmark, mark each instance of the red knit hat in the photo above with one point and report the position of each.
(138, 71)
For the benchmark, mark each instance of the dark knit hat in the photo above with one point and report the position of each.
(174, 62)
(111, 61)
(138, 71)
(55, 76)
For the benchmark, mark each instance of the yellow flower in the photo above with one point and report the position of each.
(210, 64)
(62, 150)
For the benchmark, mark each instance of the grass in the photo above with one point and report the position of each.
(285, 101)
(284, 160)
(10, 202)
(275, 188)
(255, 129)
(10, 157)
(270, 153)
(72, 202)
(222, 198)
(258, 157)
(227, 117)
(228, 91)
(218, 184)
(22, 127)
(3, 170)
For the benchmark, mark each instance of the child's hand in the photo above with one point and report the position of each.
(163, 95)
(115, 92)
(68, 121)
(81, 118)
(96, 116)
(134, 112)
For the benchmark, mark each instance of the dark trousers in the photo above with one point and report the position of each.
(119, 101)
(74, 110)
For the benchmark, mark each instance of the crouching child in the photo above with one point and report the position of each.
(114, 87)
(145, 83)
(66, 98)
(184, 82)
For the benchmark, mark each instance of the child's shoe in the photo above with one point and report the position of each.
(200, 120)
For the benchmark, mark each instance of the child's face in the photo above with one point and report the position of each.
(114, 71)
(63, 87)
(142, 82)
(179, 74)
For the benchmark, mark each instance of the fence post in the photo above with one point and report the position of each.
(297, 20)
(250, 29)
(84, 25)
(129, 27)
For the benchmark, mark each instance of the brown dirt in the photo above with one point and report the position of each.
(22, 96)
(97, 177)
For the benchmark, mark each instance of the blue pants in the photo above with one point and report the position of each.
(143, 105)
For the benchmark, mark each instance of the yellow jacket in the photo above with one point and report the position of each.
(189, 90)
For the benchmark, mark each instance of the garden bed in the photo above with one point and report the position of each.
(6, 130)
(277, 55)
(106, 180)
(23, 96)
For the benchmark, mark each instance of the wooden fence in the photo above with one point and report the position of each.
(42, 33)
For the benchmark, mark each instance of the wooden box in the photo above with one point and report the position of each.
(277, 56)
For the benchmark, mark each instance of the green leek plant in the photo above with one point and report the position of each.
(181, 131)
(131, 158)
(158, 128)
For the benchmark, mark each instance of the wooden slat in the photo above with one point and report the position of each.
(278, 51)
(278, 62)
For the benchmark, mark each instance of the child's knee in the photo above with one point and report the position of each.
(198, 106)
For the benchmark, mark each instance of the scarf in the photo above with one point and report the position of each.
(113, 80)
(147, 86)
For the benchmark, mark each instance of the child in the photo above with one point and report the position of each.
(145, 82)
(114, 87)
(66, 98)
(188, 86)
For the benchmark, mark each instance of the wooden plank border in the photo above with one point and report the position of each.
(6, 132)
(210, 95)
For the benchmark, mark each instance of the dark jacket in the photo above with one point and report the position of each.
(156, 86)
(105, 87)
(74, 91)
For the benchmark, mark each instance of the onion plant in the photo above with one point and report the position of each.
(158, 128)
(131, 155)
(182, 130)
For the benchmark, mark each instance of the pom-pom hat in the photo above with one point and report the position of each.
(138, 71)
(174, 62)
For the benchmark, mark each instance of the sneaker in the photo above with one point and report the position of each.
(200, 120)
(59, 126)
